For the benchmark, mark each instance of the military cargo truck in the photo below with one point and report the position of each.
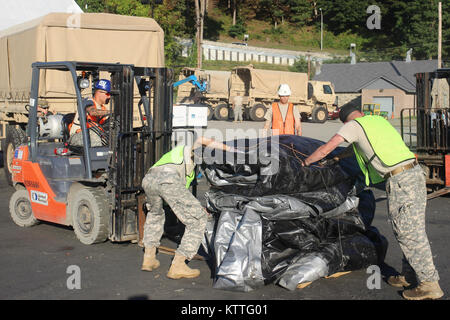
(314, 99)
(88, 37)
(215, 98)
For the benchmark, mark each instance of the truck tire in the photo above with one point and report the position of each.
(20, 209)
(319, 114)
(210, 112)
(257, 112)
(89, 209)
(222, 112)
(14, 138)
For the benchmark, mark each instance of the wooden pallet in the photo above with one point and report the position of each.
(334, 275)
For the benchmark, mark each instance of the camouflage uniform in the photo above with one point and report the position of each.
(407, 198)
(166, 183)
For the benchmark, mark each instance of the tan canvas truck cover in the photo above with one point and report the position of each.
(87, 37)
(264, 84)
(218, 83)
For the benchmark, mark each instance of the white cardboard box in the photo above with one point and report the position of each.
(189, 116)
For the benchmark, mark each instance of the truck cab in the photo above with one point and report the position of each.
(321, 92)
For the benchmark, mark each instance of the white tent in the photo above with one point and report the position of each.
(13, 12)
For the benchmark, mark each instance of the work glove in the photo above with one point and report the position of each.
(329, 162)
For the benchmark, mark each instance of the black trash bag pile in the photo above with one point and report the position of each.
(291, 225)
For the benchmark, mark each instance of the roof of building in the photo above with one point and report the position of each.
(348, 77)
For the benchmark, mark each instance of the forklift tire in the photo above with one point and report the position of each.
(14, 138)
(20, 209)
(89, 210)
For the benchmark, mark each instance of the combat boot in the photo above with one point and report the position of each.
(403, 280)
(425, 290)
(398, 281)
(179, 269)
(150, 262)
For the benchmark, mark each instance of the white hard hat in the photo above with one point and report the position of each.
(284, 90)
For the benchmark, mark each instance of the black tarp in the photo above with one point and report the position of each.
(273, 166)
(286, 225)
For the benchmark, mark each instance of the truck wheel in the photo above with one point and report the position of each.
(304, 117)
(89, 209)
(319, 114)
(210, 112)
(20, 209)
(257, 112)
(222, 112)
(14, 138)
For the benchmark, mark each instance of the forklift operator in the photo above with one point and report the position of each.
(96, 115)
(169, 180)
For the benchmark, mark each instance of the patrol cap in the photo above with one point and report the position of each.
(103, 84)
(346, 110)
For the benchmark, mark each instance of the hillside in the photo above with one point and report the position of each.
(285, 36)
(296, 25)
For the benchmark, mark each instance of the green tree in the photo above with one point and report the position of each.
(91, 5)
(127, 7)
(300, 12)
(342, 16)
(274, 10)
(301, 65)
(416, 26)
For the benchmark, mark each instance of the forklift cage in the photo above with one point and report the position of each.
(131, 150)
(425, 130)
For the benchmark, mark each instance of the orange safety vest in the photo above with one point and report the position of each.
(89, 118)
(278, 125)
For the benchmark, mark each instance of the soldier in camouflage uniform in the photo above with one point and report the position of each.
(383, 156)
(407, 198)
(168, 180)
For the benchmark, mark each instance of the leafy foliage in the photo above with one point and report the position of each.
(301, 65)
(237, 31)
(404, 24)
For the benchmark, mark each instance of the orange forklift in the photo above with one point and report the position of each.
(96, 190)
(426, 131)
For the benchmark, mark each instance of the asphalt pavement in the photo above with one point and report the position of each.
(47, 262)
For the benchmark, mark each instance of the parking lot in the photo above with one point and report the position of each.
(37, 262)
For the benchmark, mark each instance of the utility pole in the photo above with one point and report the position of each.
(200, 13)
(440, 36)
(321, 29)
(309, 65)
(438, 105)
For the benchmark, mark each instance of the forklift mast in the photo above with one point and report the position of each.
(426, 131)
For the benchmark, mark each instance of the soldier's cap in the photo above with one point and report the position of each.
(346, 110)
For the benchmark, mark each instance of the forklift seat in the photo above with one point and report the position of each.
(66, 121)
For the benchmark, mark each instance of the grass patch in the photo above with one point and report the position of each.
(228, 65)
(286, 36)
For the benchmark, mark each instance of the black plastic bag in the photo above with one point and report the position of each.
(270, 166)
